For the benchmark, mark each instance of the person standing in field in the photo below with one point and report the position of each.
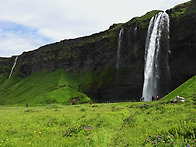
(152, 98)
(142, 98)
(27, 105)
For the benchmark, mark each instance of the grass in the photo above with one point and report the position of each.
(118, 124)
(186, 90)
(149, 124)
(42, 88)
(59, 86)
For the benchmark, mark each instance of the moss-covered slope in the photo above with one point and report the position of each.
(42, 88)
(186, 90)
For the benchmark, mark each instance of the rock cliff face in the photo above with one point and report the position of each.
(97, 54)
(5, 64)
(182, 43)
(90, 53)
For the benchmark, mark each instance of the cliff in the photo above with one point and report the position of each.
(182, 43)
(96, 57)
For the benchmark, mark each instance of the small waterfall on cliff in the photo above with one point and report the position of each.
(15, 61)
(120, 38)
(156, 55)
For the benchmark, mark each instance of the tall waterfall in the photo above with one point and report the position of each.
(15, 61)
(156, 70)
(120, 38)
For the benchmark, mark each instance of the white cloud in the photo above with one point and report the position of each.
(55, 20)
(15, 45)
(14, 39)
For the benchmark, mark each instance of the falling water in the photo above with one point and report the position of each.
(156, 49)
(13, 66)
(120, 37)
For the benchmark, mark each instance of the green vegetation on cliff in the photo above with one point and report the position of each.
(143, 21)
(183, 9)
(58, 87)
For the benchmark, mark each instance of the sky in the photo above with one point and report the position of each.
(27, 25)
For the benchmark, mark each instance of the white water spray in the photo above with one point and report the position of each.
(15, 61)
(158, 26)
(120, 37)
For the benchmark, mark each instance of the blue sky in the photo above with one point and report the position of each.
(20, 30)
(27, 25)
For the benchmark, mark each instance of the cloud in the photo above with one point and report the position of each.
(166, 4)
(39, 22)
(17, 38)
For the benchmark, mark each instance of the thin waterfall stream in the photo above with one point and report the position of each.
(15, 61)
(120, 37)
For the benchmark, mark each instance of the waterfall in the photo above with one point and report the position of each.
(13, 66)
(156, 55)
(120, 38)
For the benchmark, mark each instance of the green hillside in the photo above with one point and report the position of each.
(150, 124)
(41, 88)
(186, 90)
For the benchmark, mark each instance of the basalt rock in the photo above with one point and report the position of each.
(5, 65)
(182, 44)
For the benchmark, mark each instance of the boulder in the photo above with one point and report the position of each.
(178, 98)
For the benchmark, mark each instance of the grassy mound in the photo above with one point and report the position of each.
(41, 88)
(186, 90)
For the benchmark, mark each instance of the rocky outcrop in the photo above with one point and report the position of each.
(97, 54)
(178, 99)
(5, 65)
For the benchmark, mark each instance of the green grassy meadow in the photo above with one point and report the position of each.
(159, 123)
(117, 124)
